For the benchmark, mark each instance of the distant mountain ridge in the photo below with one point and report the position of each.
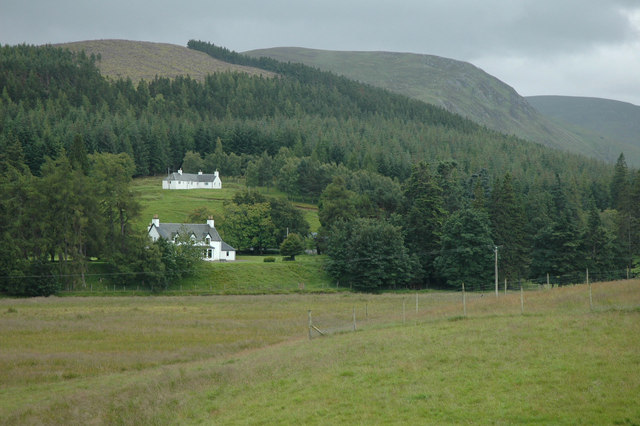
(457, 86)
(615, 119)
(462, 88)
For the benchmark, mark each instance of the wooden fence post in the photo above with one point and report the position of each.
(590, 293)
(354, 318)
(464, 302)
(404, 316)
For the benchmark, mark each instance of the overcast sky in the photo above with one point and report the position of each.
(540, 47)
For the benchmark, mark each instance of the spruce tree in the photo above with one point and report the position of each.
(508, 224)
(556, 244)
(466, 255)
(424, 215)
(619, 186)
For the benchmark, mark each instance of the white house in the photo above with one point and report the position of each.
(181, 180)
(203, 235)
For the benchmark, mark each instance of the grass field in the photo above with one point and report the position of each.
(175, 205)
(248, 359)
(247, 275)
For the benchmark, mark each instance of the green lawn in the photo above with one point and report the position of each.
(246, 275)
(250, 274)
(175, 205)
(248, 359)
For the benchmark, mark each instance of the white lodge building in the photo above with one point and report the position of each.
(203, 235)
(181, 180)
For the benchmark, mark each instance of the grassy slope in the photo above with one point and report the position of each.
(246, 359)
(144, 60)
(613, 119)
(459, 87)
(249, 275)
(175, 205)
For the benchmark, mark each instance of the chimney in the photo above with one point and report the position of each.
(180, 171)
(156, 220)
(200, 172)
(210, 221)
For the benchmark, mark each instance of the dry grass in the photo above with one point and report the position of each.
(247, 359)
(140, 60)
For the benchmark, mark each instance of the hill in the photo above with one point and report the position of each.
(139, 60)
(612, 119)
(459, 87)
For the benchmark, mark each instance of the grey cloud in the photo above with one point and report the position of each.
(491, 33)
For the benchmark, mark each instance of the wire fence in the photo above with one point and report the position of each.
(424, 307)
(110, 283)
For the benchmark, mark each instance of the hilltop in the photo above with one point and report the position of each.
(459, 87)
(139, 60)
(613, 119)
(456, 86)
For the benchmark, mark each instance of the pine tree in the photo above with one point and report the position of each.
(78, 155)
(621, 201)
(556, 244)
(424, 215)
(598, 245)
(292, 246)
(619, 186)
(466, 254)
(508, 224)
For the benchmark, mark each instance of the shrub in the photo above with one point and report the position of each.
(269, 259)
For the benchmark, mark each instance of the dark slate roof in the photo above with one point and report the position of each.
(226, 247)
(191, 177)
(169, 230)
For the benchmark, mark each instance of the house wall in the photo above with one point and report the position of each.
(153, 233)
(209, 256)
(183, 184)
(215, 246)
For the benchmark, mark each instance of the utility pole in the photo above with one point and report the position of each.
(495, 251)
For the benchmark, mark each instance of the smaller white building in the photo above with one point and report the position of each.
(179, 180)
(203, 235)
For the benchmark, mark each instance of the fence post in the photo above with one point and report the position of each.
(354, 318)
(416, 303)
(505, 286)
(590, 294)
(404, 316)
(521, 300)
(310, 323)
(464, 302)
